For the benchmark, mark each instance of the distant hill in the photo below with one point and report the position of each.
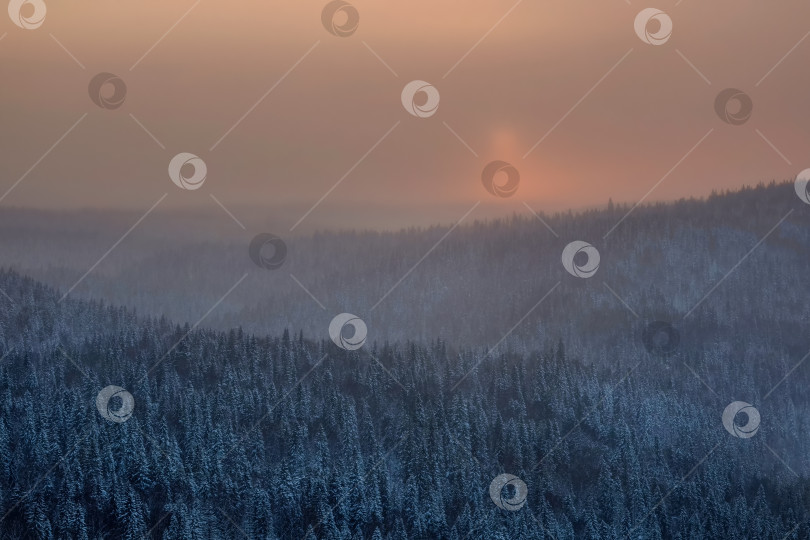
(472, 287)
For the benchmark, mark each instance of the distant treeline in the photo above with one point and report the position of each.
(471, 289)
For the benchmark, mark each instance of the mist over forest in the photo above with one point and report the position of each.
(471, 289)
(487, 358)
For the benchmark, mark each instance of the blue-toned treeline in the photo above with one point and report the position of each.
(239, 434)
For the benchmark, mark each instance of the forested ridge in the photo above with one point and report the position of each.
(238, 433)
(661, 259)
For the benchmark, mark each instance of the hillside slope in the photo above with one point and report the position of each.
(288, 437)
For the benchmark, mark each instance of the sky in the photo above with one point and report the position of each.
(293, 120)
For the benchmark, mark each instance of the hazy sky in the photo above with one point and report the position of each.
(507, 93)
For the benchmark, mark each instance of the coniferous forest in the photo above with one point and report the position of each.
(239, 433)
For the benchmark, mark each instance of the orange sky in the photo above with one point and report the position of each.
(504, 96)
